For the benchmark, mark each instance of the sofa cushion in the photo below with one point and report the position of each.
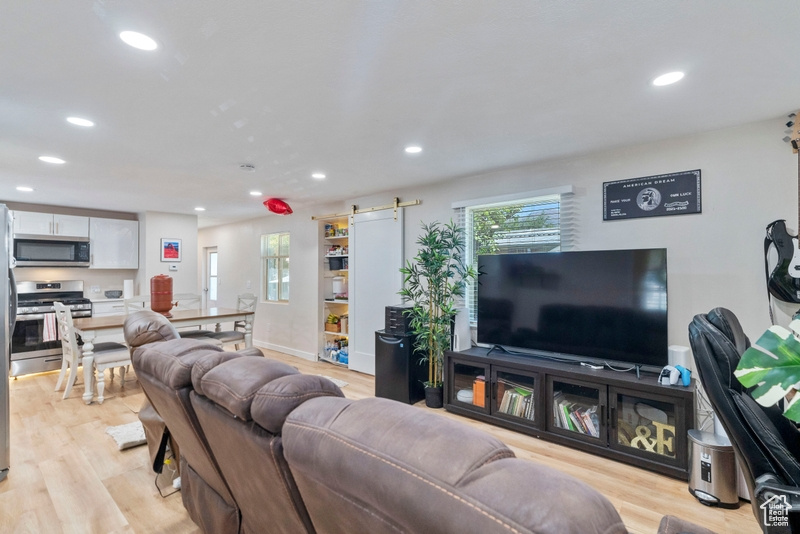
(276, 400)
(147, 326)
(207, 363)
(376, 465)
(774, 449)
(171, 361)
(233, 384)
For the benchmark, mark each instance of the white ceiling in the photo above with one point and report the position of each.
(342, 86)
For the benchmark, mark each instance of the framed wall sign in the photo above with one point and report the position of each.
(652, 196)
(171, 249)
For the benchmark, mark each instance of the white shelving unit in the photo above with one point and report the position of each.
(335, 286)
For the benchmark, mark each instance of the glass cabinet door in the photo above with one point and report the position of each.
(647, 425)
(515, 395)
(467, 385)
(576, 408)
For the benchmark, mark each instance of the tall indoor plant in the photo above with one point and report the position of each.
(432, 282)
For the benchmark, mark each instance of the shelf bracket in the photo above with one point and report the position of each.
(396, 203)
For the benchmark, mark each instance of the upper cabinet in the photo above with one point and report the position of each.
(114, 243)
(34, 223)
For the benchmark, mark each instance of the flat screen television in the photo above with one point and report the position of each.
(604, 306)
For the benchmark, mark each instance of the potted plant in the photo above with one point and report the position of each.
(773, 365)
(432, 282)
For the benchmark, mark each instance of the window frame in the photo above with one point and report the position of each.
(282, 265)
(464, 213)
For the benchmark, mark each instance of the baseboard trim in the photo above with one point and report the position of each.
(286, 350)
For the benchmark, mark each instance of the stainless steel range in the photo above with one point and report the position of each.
(34, 347)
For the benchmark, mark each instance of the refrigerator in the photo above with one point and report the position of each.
(398, 373)
(8, 312)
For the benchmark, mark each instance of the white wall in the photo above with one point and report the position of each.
(155, 225)
(749, 178)
(291, 327)
(715, 258)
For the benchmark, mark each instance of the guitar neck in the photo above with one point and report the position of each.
(796, 149)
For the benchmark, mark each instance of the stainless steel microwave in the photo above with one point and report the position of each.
(51, 251)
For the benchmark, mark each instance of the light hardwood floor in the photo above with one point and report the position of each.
(68, 476)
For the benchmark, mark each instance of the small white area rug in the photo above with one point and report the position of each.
(127, 436)
(340, 383)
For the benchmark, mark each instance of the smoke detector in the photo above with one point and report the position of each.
(247, 167)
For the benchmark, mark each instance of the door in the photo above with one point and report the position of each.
(211, 277)
(576, 409)
(376, 256)
(648, 425)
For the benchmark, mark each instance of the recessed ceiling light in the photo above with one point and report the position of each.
(51, 159)
(318, 175)
(198, 208)
(24, 188)
(668, 78)
(77, 121)
(138, 40)
(413, 149)
(255, 193)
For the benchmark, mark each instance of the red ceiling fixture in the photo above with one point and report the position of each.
(276, 205)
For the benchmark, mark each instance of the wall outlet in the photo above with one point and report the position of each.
(95, 289)
(248, 285)
(173, 267)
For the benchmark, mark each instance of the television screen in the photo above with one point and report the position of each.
(595, 306)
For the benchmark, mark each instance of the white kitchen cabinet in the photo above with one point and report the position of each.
(114, 243)
(101, 308)
(35, 223)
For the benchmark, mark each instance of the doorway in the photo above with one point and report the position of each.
(211, 278)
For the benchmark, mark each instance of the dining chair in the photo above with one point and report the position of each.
(134, 304)
(192, 301)
(244, 302)
(107, 355)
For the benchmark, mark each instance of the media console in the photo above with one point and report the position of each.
(609, 413)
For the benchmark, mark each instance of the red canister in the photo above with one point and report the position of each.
(161, 294)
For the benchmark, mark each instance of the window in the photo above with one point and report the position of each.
(275, 256)
(524, 225)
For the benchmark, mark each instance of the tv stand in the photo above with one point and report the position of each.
(628, 418)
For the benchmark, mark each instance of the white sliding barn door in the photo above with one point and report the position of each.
(376, 256)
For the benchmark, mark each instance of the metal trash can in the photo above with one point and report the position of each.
(712, 469)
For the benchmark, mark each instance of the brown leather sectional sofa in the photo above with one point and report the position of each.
(264, 448)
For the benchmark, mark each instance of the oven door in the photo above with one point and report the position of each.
(29, 352)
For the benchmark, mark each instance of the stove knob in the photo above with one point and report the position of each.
(34, 309)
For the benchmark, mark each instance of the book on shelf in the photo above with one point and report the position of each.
(517, 401)
(575, 414)
(479, 391)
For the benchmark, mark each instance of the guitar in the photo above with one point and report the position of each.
(784, 281)
(794, 265)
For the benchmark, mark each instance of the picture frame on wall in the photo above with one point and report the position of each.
(171, 249)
